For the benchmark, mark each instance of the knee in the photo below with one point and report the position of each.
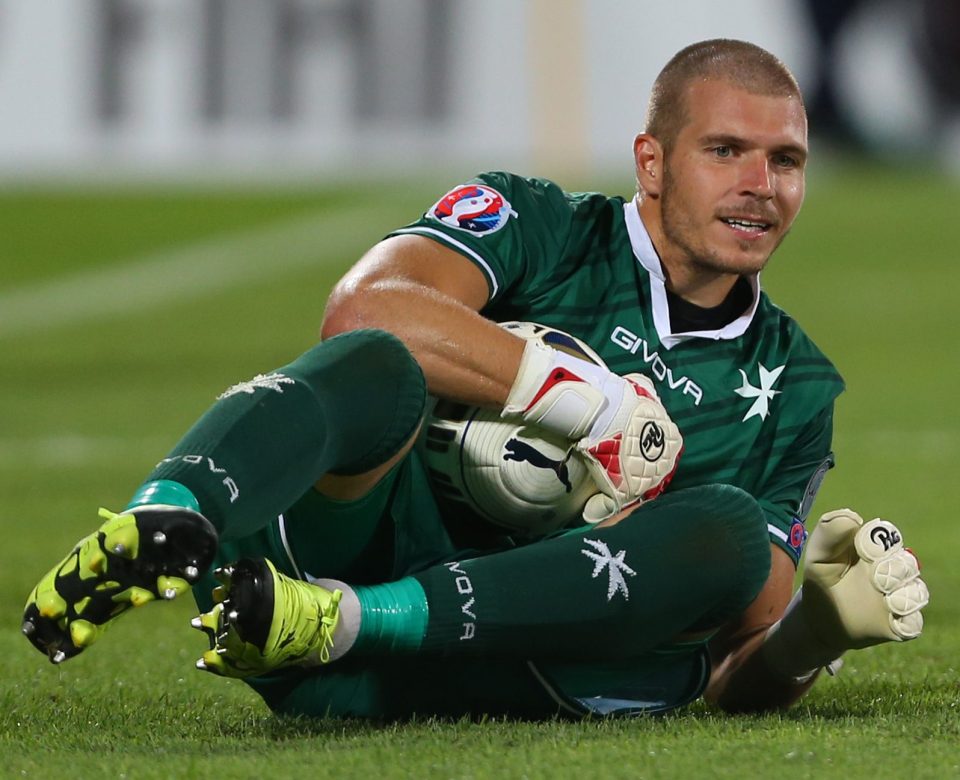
(726, 530)
(370, 354)
(370, 392)
(730, 508)
(746, 540)
(368, 373)
(740, 515)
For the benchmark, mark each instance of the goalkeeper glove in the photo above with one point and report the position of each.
(861, 587)
(624, 434)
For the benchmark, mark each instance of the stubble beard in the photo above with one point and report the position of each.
(681, 232)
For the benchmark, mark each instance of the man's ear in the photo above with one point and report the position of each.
(648, 156)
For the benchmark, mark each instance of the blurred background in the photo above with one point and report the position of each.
(295, 88)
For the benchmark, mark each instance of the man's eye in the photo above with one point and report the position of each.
(723, 151)
(785, 161)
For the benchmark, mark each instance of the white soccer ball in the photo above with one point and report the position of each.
(514, 475)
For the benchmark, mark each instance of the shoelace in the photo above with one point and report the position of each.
(327, 615)
(328, 621)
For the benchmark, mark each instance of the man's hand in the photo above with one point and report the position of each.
(624, 434)
(634, 457)
(861, 587)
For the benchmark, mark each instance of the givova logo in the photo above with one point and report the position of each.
(465, 589)
(636, 345)
(203, 460)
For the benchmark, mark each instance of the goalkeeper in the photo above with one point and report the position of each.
(342, 589)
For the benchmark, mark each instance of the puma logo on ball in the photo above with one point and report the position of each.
(524, 453)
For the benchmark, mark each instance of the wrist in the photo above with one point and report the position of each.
(557, 391)
(792, 649)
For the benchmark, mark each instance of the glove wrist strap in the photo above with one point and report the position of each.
(556, 391)
(792, 649)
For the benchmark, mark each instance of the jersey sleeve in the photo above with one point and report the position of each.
(513, 229)
(788, 495)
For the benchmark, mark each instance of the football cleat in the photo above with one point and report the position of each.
(263, 620)
(142, 554)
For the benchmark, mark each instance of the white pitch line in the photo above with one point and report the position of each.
(69, 450)
(932, 445)
(178, 275)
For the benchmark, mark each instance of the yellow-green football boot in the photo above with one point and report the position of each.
(149, 552)
(263, 620)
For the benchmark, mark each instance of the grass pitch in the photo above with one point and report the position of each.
(94, 393)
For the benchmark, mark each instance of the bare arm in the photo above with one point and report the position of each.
(742, 681)
(428, 296)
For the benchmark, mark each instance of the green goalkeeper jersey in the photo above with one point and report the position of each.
(754, 399)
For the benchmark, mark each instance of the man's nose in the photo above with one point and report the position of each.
(757, 179)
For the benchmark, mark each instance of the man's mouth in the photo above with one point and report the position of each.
(748, 225)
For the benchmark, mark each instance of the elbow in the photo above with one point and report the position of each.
(366, 302)
(352, 305)
(363, 296)
(339, 314)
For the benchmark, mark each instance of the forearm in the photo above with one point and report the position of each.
(744, 680)
(429, 296)
(463, 355)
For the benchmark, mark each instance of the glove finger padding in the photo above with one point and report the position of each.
(861, 586)
(905, 603)
(635, 457)
(830, 549)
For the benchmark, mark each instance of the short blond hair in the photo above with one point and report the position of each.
(745, 65)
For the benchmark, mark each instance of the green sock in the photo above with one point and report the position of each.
(688, 560)
(347, 405)
(164, 491)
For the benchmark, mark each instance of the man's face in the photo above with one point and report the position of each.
(734, 179)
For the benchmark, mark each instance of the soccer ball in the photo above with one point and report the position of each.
(509, 473)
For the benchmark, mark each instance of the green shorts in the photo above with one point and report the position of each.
(398, 529)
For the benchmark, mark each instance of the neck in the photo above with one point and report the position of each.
(701, 286)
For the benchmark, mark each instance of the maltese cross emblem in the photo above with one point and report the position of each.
(763, 394)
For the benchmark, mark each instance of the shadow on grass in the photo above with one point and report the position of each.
(930, 706)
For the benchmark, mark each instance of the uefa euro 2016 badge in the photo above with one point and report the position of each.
(476, 208)
(797, 536)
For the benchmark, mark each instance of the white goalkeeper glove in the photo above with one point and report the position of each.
(623, 433)
(861, 587)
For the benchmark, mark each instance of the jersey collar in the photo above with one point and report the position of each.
(647, 257)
